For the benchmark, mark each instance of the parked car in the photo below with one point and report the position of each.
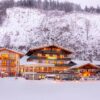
(50, 76)
(29, 75)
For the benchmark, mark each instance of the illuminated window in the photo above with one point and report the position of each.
(58, 49)
(41, 76)
(12, 63)
(54, 49)
(39, 55)
(4, 69)
(5, 56)
(4, 63)
(47, 61)
(21, 70)
(12, 69)
(61, 62)
(46, 49)
(61, 56)
(0, 62)
(47, 55)
(0, 56)
(51, 57)
(37, 69)
(12, 56)
(55, 62)
(86, 74)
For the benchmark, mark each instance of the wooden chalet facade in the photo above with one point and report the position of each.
(44, 61)
(9, 62)
(53, 55)
(86, 70)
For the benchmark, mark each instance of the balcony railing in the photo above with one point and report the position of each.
(64, 65)
(51, 52)
(45, 58)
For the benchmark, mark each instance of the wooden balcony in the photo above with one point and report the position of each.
(45, 58)
(62, 65)
(50, 52)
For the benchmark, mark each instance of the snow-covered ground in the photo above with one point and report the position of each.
(21, 89)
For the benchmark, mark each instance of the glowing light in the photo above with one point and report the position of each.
(39, 55)
(4, 56)
(58, 50)
(61, 56)
(86, 74)
(51, 57)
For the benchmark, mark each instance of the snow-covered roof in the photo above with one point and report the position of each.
(82, 63)
(1, 49)
(23, 61)
(70, 51)
(96, 63)
(77, 66)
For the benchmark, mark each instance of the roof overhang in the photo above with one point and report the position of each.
(19, 53)
(80, 66)
(33, 49)
(38, 65)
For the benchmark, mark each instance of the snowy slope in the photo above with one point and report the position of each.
(25, 28)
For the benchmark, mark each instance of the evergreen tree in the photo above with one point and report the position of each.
(98, 9)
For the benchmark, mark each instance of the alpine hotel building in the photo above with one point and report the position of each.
(9, 62)
(43, 61)
(50, 60)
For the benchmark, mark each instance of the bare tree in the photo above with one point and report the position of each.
(87, 26)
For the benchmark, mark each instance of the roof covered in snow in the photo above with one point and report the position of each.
(80, 63)
(23, 61)
(14, 51)
(53, 45)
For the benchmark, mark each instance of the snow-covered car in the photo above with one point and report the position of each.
(50, 76)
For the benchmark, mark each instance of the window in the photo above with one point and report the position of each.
(47, 55)
(4, 56)
(61, 56)
(12, 56)
(13, 63)
(61, 62)
(46, 49)
(51, 57)
(13, 69)
(39, 55)
(53, 49)
(4, 62)
(4, 69)
(0, 62)
(47, 61)
(58, 50)
(55, 62)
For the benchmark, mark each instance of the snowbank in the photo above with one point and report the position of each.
(21, 89)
